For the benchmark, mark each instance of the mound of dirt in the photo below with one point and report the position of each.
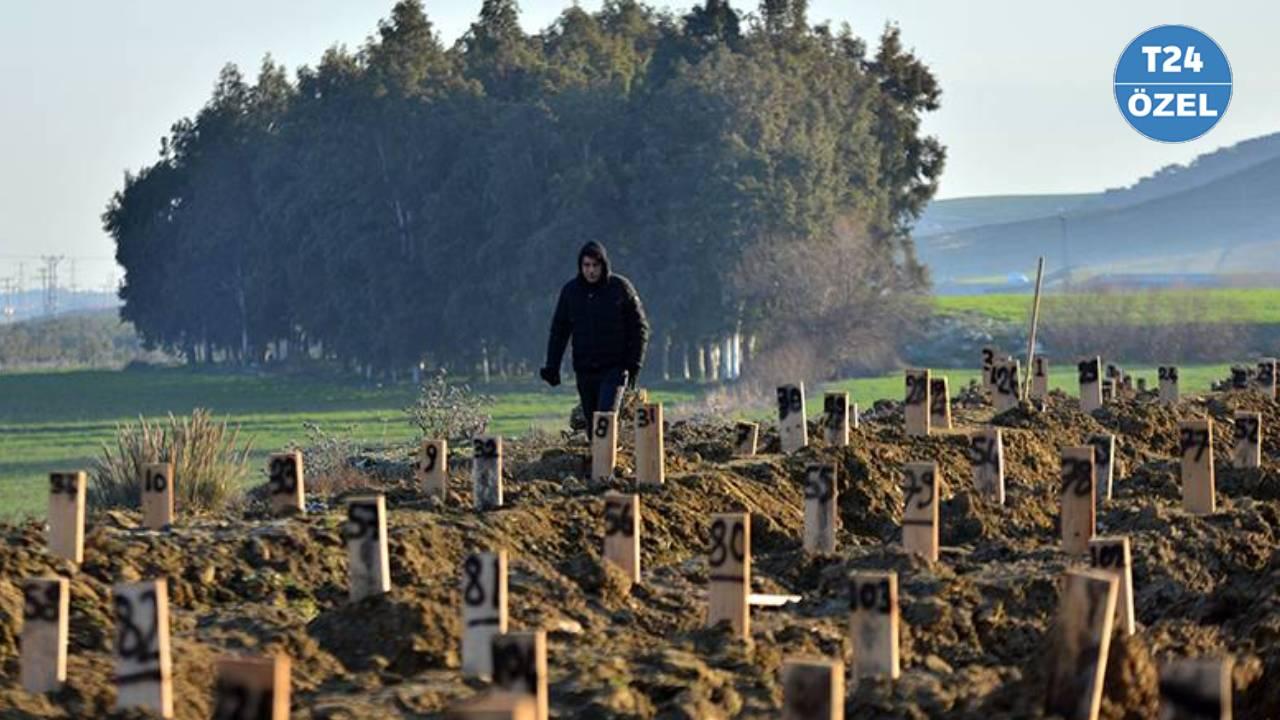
(976, 625)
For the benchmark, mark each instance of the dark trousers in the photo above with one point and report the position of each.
(600, 390)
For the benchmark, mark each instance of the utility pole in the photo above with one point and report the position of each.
(49, 278)
(8, 299)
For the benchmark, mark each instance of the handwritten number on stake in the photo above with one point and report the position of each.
(1198, 440)
(919, 484)
(131, 642)
(818, 483)
(1076, 477)
(40, 605)
(720, 551)
(618, 519)
(916, 389)
(869, 596)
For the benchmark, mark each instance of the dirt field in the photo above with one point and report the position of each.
(975, 624)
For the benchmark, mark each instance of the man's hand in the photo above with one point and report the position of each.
(632, 374)
(550, 375)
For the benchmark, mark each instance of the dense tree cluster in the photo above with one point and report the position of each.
(410, 202)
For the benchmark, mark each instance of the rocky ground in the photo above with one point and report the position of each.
(975, 623)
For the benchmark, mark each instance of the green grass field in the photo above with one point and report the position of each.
(52, 421)
(1254, 306)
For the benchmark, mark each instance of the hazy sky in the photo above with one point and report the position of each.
(88, 88)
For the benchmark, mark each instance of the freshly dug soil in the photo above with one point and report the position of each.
(975, 624)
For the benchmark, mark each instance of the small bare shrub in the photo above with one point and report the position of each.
(449, 410)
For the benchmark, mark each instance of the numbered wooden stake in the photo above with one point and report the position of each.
(1248, 437)
(484, 609)
(1005, 386)
(920, 509)
(367, 556)
(66, 515)
(1265, 380)
(1039, 377)
(1168, 377)
(812, 689)
(1195, 440)
(622, 533)
(433, 467)
(285, 483)
(1077, 499)
(1108, 390)
(486, 472)
(520, 666)
(45, 609)
(1104, 450)
(915, 407)
(252, 688)
(604, 445)
(729, 560)
(873, 623)
(157, 496)
(791, 418)
(494, 705)
(1086, 615)
(1089, 372)
(144, 673)
(1111, 554)
(989, 356)
(820, 517)
(650, 452)
(1239, 378)
(1196, 689)
(986, 457)
(835, 419)
(939, 404)
(745, 436)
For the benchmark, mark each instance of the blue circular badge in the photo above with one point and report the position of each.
(1173, 83)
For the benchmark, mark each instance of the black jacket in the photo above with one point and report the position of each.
(605, 320)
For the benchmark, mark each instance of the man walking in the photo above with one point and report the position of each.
(602, 313)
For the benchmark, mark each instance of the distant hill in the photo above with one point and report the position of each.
(1217, 214)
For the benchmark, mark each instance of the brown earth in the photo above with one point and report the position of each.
(975, 624)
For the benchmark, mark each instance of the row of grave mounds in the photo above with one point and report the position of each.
(975, 623)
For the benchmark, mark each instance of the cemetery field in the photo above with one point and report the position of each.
(59, 420)
(1247, 306)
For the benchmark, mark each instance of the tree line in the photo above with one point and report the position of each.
(411, 203)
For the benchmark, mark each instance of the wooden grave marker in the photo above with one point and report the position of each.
(1088, 372)
(520, 666)
(812, 689)
(1104, 451)
(1196, 689)
(650, 448)
(157, 495)
(986, 457)
(369, 563)
(622, 533)
(1239, 378)
(792, 429)
(915, 408)
(1086, 616)
(1005, 385)
(1111, 554)
(729, 561)
(1108, 391)
(920, 509)
(46, 608)
(1195, 441)
(989, 355)
(835, 419)
(484, 609)
(285, 484)
(1039, 377)
(433, 467)
(143, 668)
(1248, 440)
(486, 472)
(1265, 380)
(873, 623)
(604, 445)
(252, 688)
(820, 508)
(1168, 378)
(66, 515)
(1078, 503)
(939, 404)
(746, 434)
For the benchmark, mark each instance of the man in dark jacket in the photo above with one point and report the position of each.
(602, 313)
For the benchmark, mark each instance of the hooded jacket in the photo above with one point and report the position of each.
(604, 319)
